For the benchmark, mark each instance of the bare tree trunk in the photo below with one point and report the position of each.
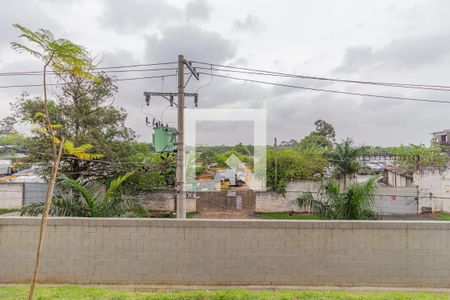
(51, 187)
(44, 219)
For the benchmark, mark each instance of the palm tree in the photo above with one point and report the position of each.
(78, 200)
(344, 159)
(353, 203)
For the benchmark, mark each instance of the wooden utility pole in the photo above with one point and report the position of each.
(275, 159)
(181, 198)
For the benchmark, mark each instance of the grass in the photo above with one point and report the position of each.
(77, 292)
(443, 216)
(286, 216)
(7, 210)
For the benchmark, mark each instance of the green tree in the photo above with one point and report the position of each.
(292, 165)
(207, 157)
(222, 158)
(151, 170)
(83, 200)
(344, 159)
(315, 141)
(325, 129)
(353, 203)
(416, 157)
(83, 111)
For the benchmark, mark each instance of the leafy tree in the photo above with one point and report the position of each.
(244, 149)
(325, 129)
(84, 200)
(315, 141)
(207, 157)
(151, 170)
(353, 203)
(344, 159)
(290, 143)
(222, 158)
(292, 165)
(414, 157)
(62, 56)
(85, 116)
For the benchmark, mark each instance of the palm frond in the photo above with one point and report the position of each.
(32, 209)
(114, 186)
(307, 201)
(90, 200)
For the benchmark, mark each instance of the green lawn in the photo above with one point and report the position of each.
(443, 216)
(75, 292)
(286, 216)
(7, 210)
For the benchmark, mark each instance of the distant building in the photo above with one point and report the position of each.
(5, 167)
(397, 177)
(442, 138)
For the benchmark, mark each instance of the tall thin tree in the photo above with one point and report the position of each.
(61, 56)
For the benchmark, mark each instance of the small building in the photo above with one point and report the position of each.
(442, 138)
(397, 177)
(6, 166)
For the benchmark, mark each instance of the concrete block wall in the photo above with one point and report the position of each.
(11, 195)
(396, 200)
(163, 200)
(228, 252)
(274, 202)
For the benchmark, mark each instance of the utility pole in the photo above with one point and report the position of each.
(181, 199)
(275, 159)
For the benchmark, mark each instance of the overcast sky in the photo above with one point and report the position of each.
(400, 41)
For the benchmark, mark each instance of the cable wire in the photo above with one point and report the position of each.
(56, 84)
(281, 74)
(330, 90)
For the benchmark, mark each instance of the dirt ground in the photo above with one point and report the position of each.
(242, 215)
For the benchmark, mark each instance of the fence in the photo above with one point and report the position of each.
(225, 201)
(15, 195)
(226, 252)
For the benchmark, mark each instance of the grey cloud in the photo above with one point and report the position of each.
(17, 12)
(192, 41)
(250, 23)
(198, 10)
(399, 54)
(132, 15)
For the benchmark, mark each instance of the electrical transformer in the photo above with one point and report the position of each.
(164, 139)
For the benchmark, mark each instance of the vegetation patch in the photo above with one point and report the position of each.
(443, 216)
(7, 210)
(76, 292)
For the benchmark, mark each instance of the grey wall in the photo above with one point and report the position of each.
(202, 252)
(389, 200)
(34, 192)
(396, 200)
(15, 195)
(11, 195)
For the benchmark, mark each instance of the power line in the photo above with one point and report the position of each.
(330, 90)
(108, 71)
(56, 84)
(281, 74)
(13, 73)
